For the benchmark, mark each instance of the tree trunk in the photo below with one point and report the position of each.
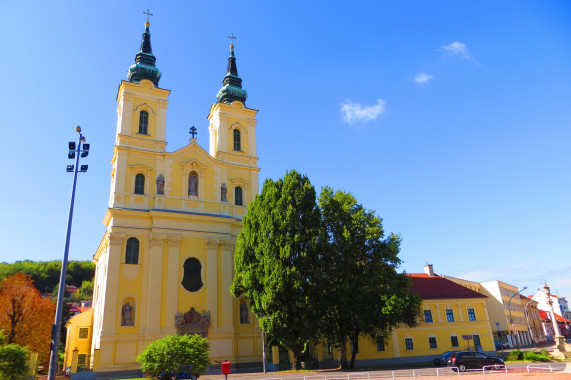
(296, 351)
(343, 351)
(355, 351)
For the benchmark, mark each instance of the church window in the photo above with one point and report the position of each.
(144, 122)
(193, 184)
(192, 279)
(82, 359)
(139, 184)
(132, 251)
(237, 144)
(238, 196)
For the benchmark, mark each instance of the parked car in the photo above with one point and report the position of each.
(464, 360)
(442, 359)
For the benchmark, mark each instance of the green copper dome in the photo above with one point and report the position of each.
(144, 67)
(232, 89)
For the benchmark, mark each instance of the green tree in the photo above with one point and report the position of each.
(276, 261)
(14, 359)
(167, 357)
(365, 294)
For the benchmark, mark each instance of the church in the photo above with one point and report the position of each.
(166, 261)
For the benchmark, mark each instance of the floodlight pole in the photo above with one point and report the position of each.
(56, 327)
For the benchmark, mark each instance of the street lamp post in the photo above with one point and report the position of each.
(510, 311)
(74, 152)
(500, 338)
(528, 325)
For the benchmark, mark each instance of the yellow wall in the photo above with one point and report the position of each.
(74, 342)
(171, 228)
(395, 347)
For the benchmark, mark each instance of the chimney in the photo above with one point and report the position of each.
(429, 270)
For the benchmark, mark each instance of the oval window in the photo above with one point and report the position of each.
(192, 280)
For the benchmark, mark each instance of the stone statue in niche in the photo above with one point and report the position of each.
(193, 184)
(243, 313)
(126, 315)
(160, 184)
(224, 193)
(192, 322)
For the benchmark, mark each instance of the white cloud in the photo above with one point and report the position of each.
(353, 112)
(422, 78)
(457, 48)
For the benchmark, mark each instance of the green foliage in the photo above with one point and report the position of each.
(515, 355)
(544, 352)
(85, 291)
(173, 354)
(45, 274)
(535, 357)
(276, 261)
(364, 294)
(14, 361)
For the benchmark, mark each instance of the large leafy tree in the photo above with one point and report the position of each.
(25, 315)
(276, 261)
(365, 295)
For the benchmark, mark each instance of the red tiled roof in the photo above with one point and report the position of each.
(84, 308)
(436, 287)
(545, 316)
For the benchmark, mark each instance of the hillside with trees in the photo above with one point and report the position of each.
(45, 274)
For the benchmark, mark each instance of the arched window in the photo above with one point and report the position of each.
(139, 184)
(192, 279)
(237, 145)
(193, 184)
(238, 196)
(144, 122)
(132, 251)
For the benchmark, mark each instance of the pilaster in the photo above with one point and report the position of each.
(173, 242)
(116, 242)
(227, 275)
(212, 281)
(155, 271)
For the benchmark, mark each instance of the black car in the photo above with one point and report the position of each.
(442, 359)
(464, 360)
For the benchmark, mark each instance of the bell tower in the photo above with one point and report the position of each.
(233, 125)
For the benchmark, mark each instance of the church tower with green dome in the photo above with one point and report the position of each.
(165, 263)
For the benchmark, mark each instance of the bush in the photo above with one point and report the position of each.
(173, 355)
(544, 352)
(14, 361)
(535, 357)
(515, 355)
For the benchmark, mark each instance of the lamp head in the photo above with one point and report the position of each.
(78, 128)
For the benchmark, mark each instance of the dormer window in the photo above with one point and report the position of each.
(143, 123)
(237, 144)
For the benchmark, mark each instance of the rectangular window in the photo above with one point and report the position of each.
(476, 340)
(81, 359)
(408, 344)
(83, 333)
(449, 315)
(432, 342)
(454, 341)
(471, 315)
(380, 344)
(427, 316)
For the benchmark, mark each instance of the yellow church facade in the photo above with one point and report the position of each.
(166, 261)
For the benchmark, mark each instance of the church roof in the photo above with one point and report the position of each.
(232, 83)
(437, 287)
(144, 67)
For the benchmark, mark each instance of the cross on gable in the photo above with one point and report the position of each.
(193, 132)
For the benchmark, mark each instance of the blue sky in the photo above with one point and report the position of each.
(450, 119)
